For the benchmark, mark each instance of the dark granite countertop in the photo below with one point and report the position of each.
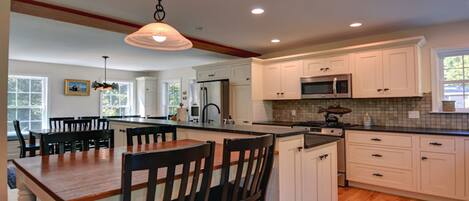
(428, 131)
(275, 123)
(311, 141)
(242, 129)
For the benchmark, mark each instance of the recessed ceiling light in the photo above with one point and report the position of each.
(356, 24)
(257, 11)
(275, 40)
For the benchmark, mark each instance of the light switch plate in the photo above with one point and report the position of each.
(414, 115)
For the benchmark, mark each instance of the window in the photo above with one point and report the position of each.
(118, 102)
(173, 96)
(454, 79)
(27, 101)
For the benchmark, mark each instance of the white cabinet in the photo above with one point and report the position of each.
(240, 75)
(213, 74)
(282, 80)
(147, 93)
(327, 66)
(386, 73)
(241, 107)
(438, 173)
(307, 174)
(319, 173)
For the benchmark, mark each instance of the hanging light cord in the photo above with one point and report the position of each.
(159, 12)
(105, 68)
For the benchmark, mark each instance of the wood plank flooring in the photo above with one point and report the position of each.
(355, 194)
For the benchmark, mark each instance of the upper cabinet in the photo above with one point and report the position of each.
(241, 75)
(282, 80)
(327, 66)
(390, 72)
(213, 74)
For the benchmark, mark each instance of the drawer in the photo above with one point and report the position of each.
(384, 139)
(386, 177)
(437, 144)
(392, 158)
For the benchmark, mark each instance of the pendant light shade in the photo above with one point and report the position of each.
(158, 36)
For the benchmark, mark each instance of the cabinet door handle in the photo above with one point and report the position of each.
(322, 69)
(379, 90)
(248, 79)
(300, 148)
(386, 89)
(281, 93)
(424, 158)
(122, 130)
(211, 75)
(246, 122)
(375, 139)
(322, 157)
(278, 93)
(377, 155)
(435, 143)
(327, 69)
(377, 175)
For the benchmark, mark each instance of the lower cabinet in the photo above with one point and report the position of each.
(307, 174)
(438, 173)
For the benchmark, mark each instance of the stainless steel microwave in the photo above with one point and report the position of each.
(323, 87)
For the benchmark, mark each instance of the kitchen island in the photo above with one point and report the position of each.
(305, 167)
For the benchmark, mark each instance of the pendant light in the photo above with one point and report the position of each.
(104, 86)
(158, 35)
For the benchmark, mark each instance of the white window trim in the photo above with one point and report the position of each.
(45, 98)
(437, 74)
(132, 98)
(165, 94)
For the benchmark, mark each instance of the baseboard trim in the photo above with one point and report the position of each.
(400, 192)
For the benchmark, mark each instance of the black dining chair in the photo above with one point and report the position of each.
(78, 125)
(24, 148)
(146, 132)
(56, 123)
(169, 159)
(94, 121)
(75, 139)
(250, 184)
(103, 124)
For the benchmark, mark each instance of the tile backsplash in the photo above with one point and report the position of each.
(383, 111)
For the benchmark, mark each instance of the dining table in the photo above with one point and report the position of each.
(95, 174)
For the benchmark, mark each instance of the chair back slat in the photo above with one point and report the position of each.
(250, 184)
(94, 121)
(56, 123)
(65, 141)
(103, 124)
(169, 160)
(78, 125)
(146, 132)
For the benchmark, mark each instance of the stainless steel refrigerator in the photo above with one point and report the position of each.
(214, 95)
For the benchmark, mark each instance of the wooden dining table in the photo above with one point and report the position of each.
(92, 175)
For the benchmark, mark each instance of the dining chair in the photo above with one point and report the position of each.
(78, 125)
(56, 123)
(168, 160)
(146, 132)
(23, 146)
(249, 184)
(103, 124)
(82, 138)
(94, 121)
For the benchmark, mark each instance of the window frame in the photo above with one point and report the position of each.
(130, 99)
(438, 82)
(166, 101)
(44, 97)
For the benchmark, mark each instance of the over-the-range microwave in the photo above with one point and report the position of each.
(325, 87)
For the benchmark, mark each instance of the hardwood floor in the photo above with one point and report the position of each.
(355, 194)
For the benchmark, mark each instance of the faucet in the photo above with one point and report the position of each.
(204, 118)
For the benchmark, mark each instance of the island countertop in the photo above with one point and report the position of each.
(242, 129)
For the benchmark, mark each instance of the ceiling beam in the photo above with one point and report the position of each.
(59, 13)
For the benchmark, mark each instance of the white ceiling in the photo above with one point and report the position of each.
(294, 22)
(43, 40)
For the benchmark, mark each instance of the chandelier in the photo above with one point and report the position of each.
(104, 86)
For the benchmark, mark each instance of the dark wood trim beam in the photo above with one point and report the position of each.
(63, 14)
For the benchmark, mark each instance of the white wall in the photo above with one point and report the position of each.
(4, 31)
(440, 36)
(61, 105)
(183, 75)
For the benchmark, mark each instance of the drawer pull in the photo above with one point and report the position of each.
(300, 148)
(424, 158)
(377, 155)
(435, 143)
(322, 157)
(122, 130)
(376, 139)
(211, 75)
(377, 175)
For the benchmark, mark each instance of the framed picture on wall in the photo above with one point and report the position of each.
(76, 87)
